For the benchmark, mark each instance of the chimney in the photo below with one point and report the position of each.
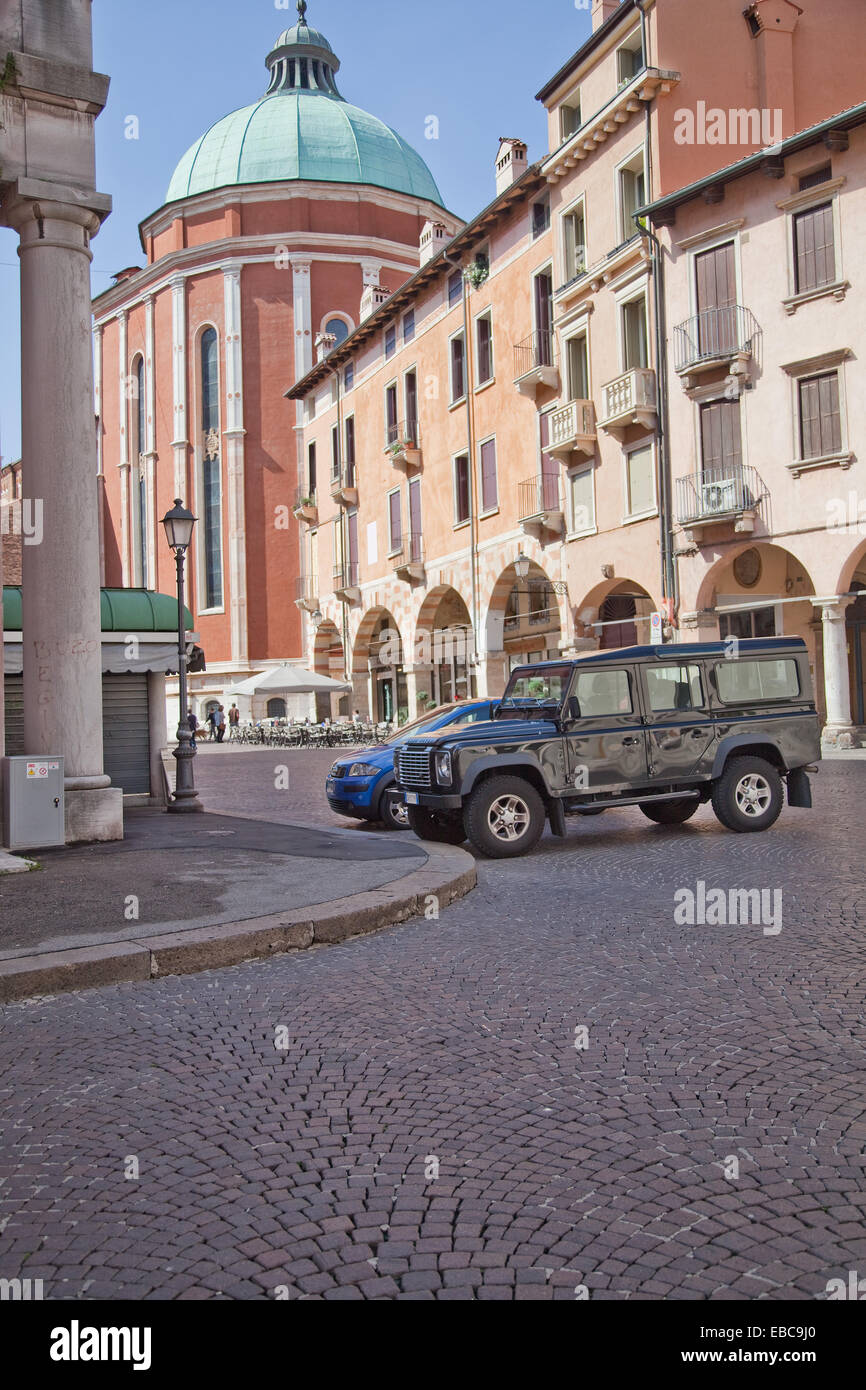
(373, 296)
(602, 11)
(434, 235)
(510, 162)
(772, 24)
(324, 344)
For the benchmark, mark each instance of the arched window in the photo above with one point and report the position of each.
(139, 498)
(211, 526)
(276, 709)
(339, 329)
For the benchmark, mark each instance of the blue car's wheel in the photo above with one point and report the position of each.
(392, 810)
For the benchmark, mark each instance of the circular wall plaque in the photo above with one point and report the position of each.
(747, 568)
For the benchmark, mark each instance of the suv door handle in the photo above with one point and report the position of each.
(698, 733)
(629, 742)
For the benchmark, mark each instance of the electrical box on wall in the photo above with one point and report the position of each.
(33, 803)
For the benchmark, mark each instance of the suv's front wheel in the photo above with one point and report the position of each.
(504, 817)
(748, 795)
(433, 825)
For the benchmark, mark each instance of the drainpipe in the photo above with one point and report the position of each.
(669, 574)
(470, 445)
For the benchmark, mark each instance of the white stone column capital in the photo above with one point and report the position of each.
(835, 610)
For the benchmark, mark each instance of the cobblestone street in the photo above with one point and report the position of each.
(433, 1123)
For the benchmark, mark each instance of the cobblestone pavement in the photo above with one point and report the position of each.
(449, 1046)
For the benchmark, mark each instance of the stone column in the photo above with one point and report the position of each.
(180, 439)
(839, 730)
(62, 626)
(123, 462)
(150, 456)
(234, 435)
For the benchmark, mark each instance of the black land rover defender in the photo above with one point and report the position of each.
(664, 728)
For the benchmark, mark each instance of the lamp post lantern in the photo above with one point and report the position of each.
(179, 525)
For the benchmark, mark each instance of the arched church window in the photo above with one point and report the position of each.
(339, 329)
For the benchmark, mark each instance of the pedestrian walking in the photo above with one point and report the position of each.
(211, 720)
(220, 724)
(193, 725)
(234, 723)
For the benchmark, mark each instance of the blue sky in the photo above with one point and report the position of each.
(178, 65)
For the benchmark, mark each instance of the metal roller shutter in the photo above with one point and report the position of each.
(125, 729)
(126, 732)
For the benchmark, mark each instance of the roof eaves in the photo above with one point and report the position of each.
(370, 326)
(593, 42)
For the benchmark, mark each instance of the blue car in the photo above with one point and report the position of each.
(361, 785)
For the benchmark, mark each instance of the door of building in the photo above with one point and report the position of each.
(716, 298)
(856, 627)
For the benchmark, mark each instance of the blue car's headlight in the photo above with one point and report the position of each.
(364, 770)
(442, 765)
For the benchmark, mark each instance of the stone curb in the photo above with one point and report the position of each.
(448, 874)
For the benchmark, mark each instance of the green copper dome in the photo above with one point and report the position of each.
(302, 129)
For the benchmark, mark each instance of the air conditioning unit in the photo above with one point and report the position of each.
(720, 497)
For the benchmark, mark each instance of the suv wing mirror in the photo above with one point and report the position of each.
(572, 707)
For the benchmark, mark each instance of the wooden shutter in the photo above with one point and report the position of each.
(352, 527)
(488, 476)
(820, 421)
(716, 295)
(549, 467)
(461, 487)
(411, 405)
(395, 520)
(814, 245)
(578, 373)
(415, 519)
(721, 441)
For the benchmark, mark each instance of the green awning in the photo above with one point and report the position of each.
(123, 610)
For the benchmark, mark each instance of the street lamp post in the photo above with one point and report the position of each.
(179, 525)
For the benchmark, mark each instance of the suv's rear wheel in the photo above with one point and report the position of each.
(671, 812)
(748, 795)
(393, 810)
(434, 825)
(504, 817)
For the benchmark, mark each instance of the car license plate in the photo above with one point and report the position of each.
(411, 798)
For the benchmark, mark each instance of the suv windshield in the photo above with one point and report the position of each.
(536, 687)
(423, 725)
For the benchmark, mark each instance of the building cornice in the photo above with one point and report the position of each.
(608, 121)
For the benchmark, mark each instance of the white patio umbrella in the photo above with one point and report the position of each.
(289, 680)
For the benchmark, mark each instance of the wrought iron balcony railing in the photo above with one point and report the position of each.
(719, 493)
(538, 497)
(538, 350)
(715, 335)
(411, 551)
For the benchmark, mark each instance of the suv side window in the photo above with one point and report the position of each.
(603, 692)
(744, 681)
(674, 688)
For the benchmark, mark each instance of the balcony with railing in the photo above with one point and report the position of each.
(716, 338)
(539, 505)
(347, 586)
(306, 593)
(630, 399)
(732, 495)
(344, 484)
(408, 561)
(306, 506)
(535, 364)
(403, 444)
(572, 430)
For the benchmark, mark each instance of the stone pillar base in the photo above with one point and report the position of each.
(841, 736)
(94, 815)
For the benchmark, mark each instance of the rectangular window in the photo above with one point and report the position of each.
(743, 681)
(629, 62)
(581, 490)
(817, 176)
(820, 420)
(634, 335)
(578, 369)
(311, 470)
(602, 693)
(391, 414)
(489, 493)
(335, 452)
(458, 368)
(540, 217)
(390, 340)
(814, 248)
(485, 350)
(674, 688)
(461, 489)
(350, 451)
(569, 120)
(574, 244)
(721, 442)
(395, 522)
(758, 622)
(640, 482)
(632, 194)
(213, 533)
(455, 288)
(410, 384)
(409, 326)
(348, 376)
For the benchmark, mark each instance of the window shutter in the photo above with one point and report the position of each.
(721, 440)
(395, 518)
(488, 476)
(815, 248)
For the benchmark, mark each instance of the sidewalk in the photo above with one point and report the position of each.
(184, 893)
